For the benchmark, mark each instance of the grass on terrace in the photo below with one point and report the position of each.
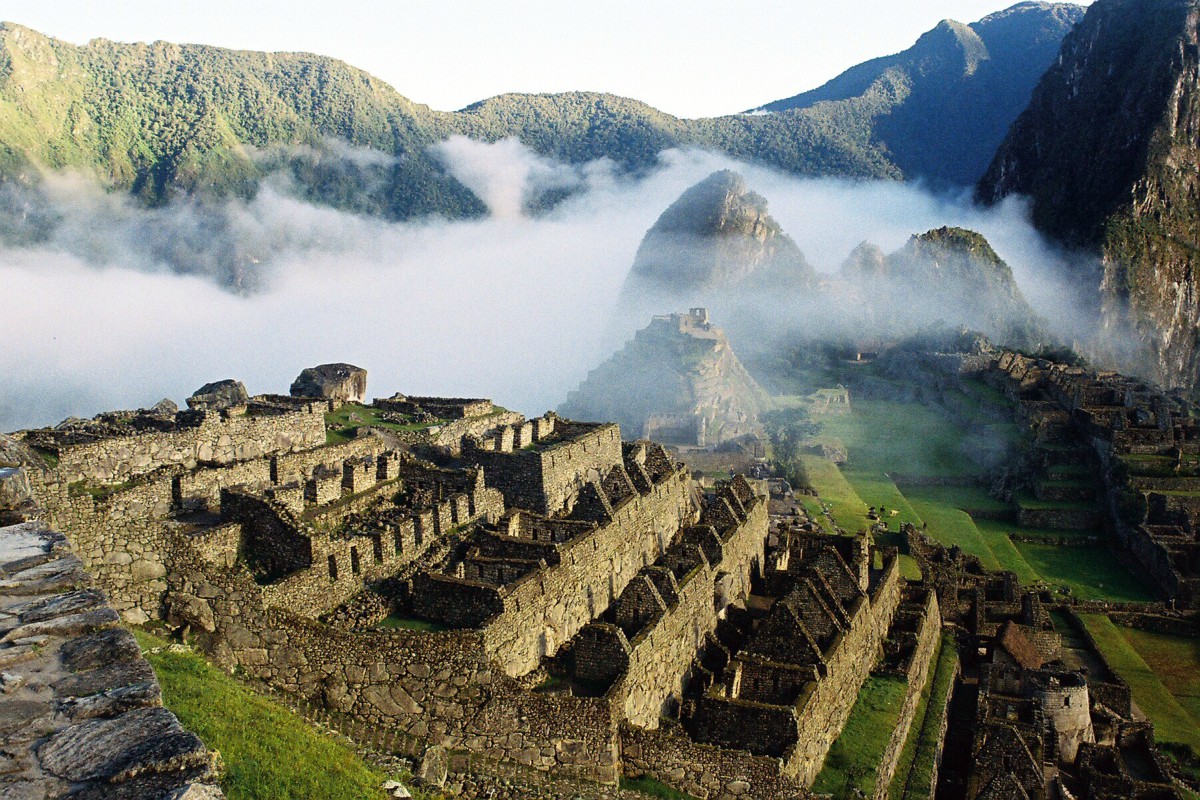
(1092, 573)
(914, 441)
(914, 770)
(847, 508)
(1173, 722)
(270, 753)
(648, 787)
(904, 438)
(853, 759)
(1175, 660)
(339, 427)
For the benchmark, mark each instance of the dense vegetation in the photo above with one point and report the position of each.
(158, 119)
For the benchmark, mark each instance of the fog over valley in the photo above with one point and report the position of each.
(122, 305)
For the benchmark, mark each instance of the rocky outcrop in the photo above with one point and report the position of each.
(716, 238)
(677, 381)
(1109, 153)
(333, 382)
(218, 395)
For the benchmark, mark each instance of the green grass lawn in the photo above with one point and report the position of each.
(853, 759)
(1172, 721)
(652, 788)
(1093, 573)
(877, 489)
(914, 771)
(847, 508)
(1176, 662)
(965, 498)
(952, 526)
(903, 438)
(368, 416)
(812, 507)
(1029, 501)
(270, 753)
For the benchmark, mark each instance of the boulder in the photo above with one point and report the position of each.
(332, 382)
(434, 767)
(197, 791)
(146, 740)
(15, 453)
(187, 609)
(396, 789)
(218, 395)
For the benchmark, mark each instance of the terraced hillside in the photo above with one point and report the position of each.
(933, 465)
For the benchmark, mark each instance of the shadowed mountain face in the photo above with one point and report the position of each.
(1109, 154)
(716, 239)
(942, 107)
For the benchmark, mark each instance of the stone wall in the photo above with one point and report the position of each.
(546, 473)
(313, 570)
(547, 607)
(211, 438)
(929, 633)
(661, 653)
(121, 537)
(433, 687)
(824, 711)
(668, 755)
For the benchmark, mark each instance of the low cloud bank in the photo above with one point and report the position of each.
(110, 305)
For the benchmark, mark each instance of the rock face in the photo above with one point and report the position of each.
(943, 106)
(1109, 152)
(715, 238)
(332, 381)
(677, 381)
(218, 395)
(80, 709)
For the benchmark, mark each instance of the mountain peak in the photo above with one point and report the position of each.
(715, 236)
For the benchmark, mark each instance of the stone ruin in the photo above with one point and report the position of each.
(537, 593)
(281, 554)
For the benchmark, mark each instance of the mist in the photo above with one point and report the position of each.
(112, 305)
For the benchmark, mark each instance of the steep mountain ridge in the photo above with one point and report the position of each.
(160, 119)
(717, 246)
(1109, 154)
(942, 107)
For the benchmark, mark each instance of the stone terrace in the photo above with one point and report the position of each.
(1147, 443)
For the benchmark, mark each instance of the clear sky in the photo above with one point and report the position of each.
(697, 58)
